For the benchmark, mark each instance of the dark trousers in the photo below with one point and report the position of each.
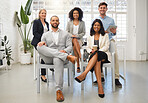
(43, 70)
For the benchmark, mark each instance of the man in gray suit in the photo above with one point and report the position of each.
(55, 47)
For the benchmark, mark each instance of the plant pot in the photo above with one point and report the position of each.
(25, 58)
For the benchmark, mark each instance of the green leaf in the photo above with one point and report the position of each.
(28, 7)
(24, 17)
(17, 20)
(5, 38)
(2, 43)
(7, 42)
(8, 62)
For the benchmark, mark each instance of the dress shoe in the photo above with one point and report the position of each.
(60, 97)
(43, 80)
(51, 69)
(102, 80)
(78, 80)
(72, 59)
(118, 84)
(101, 95)
(78, 70)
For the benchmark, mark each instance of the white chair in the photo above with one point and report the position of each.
(123, 47)
(48, 66)
(34, 63)
(106, 65)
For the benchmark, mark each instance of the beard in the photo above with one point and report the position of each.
(55, 26)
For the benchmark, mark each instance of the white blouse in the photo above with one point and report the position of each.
(45, 28)
(75, 29)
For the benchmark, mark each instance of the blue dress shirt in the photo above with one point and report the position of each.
(107, 21)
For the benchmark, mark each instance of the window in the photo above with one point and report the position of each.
(117, 9)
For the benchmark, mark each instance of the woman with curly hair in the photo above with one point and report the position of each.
(76, 28)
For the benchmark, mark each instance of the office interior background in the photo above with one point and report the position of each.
(131, 18)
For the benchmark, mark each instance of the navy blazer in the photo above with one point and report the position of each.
(38, 31)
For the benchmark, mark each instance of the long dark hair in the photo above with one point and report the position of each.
(101, 31)
(80, 13)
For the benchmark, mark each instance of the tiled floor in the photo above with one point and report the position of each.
(17, 86)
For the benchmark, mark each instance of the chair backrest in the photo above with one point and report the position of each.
(112, 47)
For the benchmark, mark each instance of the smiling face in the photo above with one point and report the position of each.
(96, 27)
(102, 9)
(75, 14)
(42, 14)
(54, 22)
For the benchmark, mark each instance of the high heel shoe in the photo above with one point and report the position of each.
(78, 80)
(43, 80)
(101, 95)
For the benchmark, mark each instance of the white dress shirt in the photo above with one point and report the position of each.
(55, 36)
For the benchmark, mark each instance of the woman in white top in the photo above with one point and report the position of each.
(100, 55)
(76, 28)
(40, 26)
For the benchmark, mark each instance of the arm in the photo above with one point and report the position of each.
(83, 30)
(113, 30)
(89, 43)
(35, 30)
(68, 46)
(105, 48)
(43, 41)
(68, 28)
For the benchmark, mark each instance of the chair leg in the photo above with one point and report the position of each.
(68, 77)
(113, 79)
(47, 76)
(38, 80)
(73, 68)
(92, 77)
(34, 64)
(105, 70)
(82, 84)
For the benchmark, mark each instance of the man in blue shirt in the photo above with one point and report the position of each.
(107, 21)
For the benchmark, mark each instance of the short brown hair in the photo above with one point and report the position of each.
(102, 3)
(54, 16)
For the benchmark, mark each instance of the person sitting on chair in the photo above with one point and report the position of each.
(98, 53)
(55, 47)
(40, 26)
(76, 29)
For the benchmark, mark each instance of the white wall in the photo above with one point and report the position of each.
(141, 31)
(131, 17)
(137, 29)
(7, 10)
(147, 30)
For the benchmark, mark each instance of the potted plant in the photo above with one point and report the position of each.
(24, 31)
(7, 51)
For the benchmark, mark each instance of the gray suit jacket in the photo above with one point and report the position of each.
(81, 30)
(64, 41)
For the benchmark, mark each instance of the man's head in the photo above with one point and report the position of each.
(102, 7)
(54, 21)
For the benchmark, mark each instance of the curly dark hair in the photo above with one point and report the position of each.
(80, 13)
(101, 31)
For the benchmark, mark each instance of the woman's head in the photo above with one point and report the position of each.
(97, 27)
(42, 14)
(76, 13)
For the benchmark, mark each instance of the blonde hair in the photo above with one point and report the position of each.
(41, 11)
